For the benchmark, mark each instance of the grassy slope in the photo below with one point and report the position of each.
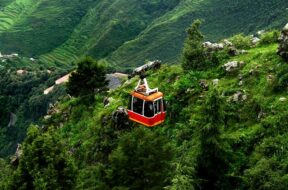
(107, 26)
(163, 39)
(30, 24)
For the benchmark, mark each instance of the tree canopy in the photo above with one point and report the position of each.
(89, 78)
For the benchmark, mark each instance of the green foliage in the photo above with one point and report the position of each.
(213, 149)
(213, 137)
(141, 161)
(240, 41)
(5, 174)
(193, 51)
(269, 37)
(195, 56)
(23, 96)
(89, 78)
(280, 82)
(45, 164)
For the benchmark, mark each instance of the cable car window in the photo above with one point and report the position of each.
(157, 106)
(148, 109)
(137, 105)
(164, 105)
(129, 104)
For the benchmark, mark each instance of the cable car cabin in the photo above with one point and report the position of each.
(146, 106)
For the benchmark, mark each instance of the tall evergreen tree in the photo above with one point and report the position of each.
(193, 57)
(89, 77)
(141, 161)
(212, 163)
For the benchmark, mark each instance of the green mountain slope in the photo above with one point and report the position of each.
(222, 18)
(126, 33)
(230, 134)
(26, 24)
(22, 101)
(107, 26)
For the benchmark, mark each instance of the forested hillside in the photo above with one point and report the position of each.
(226, 128)
(126, 33)
(226, 116)
(22, 101)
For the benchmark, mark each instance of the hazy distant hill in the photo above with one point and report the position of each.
(124, 32)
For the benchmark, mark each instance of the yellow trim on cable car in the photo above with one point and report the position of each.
(149, 98)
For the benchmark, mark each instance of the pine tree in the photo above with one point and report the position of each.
(89, 78)
(141, 161)
(193, 57)
(212, 163)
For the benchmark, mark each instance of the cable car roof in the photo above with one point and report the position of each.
(150, 98)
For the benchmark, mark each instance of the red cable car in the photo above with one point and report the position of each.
(146, 106)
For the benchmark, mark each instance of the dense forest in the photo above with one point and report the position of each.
(225, 127)
(22, 101)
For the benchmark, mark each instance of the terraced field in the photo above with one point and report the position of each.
(15, 12)
(125, 33)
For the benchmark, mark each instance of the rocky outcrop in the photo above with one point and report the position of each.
(238, 97)
(283, 43)
(255, 40)
(115, 80)
(21, 72)
(213, 46)
(204, 84)
(13, 120)
(215, 82)
(120, 118)
(233, 65)
(148, 66)
(15, 158)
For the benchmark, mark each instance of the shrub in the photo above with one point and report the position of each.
(241, 42)
(281, 81)
(269, 37)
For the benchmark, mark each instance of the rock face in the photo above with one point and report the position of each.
(120, 118)
(213, 46)
(115, 79)
(215, 82)
(13, 120)
(283, 43)
(255, 40)
(204, 84)
(230, 66)
(15, 158)
(233, 65)
(238, 97)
